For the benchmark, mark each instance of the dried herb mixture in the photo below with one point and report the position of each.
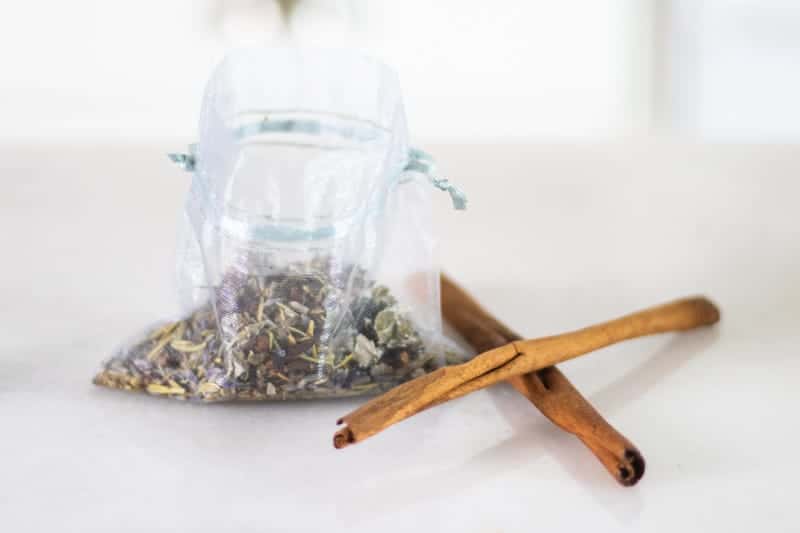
(284, 335)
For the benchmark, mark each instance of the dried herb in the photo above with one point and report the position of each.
(290, 334)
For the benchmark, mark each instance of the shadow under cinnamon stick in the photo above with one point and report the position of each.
(548, 389)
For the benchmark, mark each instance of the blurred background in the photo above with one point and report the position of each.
(471, 70)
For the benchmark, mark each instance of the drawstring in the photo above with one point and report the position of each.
(422, 162)
(185, 161)
(418, 161)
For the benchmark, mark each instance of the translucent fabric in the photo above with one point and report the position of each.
(306, 262)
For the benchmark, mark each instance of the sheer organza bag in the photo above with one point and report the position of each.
(306, 263)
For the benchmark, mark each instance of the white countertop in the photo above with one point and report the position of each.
(556, 237)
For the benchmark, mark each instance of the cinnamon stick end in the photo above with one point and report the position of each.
(631, 471)
(708, 311)
(342, 438)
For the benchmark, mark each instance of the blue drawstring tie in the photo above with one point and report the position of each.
(185, 161)
(418, 161)
(422, 162)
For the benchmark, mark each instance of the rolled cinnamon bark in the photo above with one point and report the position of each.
(548, 389)
(515, 359)
(535, 354)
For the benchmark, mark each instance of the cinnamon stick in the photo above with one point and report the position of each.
(548, 389)
(515, 359)
(535, 354)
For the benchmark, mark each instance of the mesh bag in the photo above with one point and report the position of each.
(306, 264)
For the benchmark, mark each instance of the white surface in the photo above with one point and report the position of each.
(555, 238)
